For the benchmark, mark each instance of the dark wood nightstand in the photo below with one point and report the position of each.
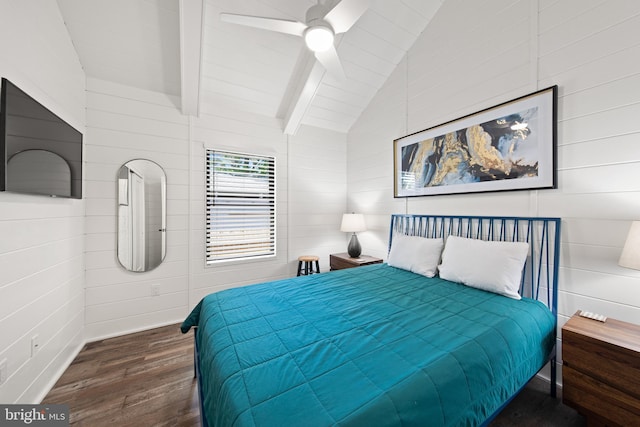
(343, 260)
(601, 370)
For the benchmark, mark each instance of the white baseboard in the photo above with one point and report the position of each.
(134, 330)
(61, 370)
(545, 375)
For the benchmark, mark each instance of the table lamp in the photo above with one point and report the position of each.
(353, 223)
(630, 257)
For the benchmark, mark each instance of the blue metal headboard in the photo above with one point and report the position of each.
(540, 275)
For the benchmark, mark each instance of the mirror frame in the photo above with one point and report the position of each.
(141, 255)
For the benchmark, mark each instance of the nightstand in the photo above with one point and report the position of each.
(601, 370)
(343, 260)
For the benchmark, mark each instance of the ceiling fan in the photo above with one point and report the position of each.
(319, 29)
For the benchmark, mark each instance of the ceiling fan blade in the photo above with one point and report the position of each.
(272, 24)
(330, 61)
(346, 13)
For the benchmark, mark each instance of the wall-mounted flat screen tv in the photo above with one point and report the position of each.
(40, 152)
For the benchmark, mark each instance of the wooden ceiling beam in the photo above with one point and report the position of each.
(304, 93)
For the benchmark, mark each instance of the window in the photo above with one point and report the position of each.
(241, 209)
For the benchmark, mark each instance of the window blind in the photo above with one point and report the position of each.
(240, 200)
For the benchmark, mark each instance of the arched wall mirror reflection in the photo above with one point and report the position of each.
(39, 172)
(142, 207)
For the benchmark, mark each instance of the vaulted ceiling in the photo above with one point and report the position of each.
(181, 47)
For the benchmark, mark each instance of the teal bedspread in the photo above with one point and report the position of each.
(368, 346)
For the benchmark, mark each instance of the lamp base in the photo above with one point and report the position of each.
(354, 249)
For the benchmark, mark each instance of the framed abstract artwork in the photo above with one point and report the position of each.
(511, 146)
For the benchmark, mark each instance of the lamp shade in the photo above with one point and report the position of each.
(352, 223)
(630, 256)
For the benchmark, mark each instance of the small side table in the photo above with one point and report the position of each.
(305, 265)
(601, 370)
(343, 260)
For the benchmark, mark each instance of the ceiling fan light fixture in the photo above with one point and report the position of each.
(318, 38)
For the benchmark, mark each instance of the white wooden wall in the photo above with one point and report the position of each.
(477, 54)
(124, 123)
(317, 193)
(219, 127)
(41, 238)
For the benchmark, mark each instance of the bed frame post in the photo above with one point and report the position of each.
(554, 305)
(554, 373)
(196, 375)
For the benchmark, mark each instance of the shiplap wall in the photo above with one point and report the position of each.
(317, 193)
(310, 194)
(41, 238)
(220, 127)
(502, 49)
(125, 123)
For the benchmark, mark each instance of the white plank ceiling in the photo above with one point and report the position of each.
(138, 43)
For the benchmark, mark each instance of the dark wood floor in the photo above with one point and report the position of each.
(142, 379)
(146, 379)
(533, 407)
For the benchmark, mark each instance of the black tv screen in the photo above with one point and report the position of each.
(41, 153)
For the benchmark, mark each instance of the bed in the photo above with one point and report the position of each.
(383, 344)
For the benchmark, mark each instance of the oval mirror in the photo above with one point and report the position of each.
(142, 206)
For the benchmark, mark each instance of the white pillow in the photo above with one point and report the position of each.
(491, 266)
(417, 254)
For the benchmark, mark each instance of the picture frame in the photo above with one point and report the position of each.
(510, 146)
